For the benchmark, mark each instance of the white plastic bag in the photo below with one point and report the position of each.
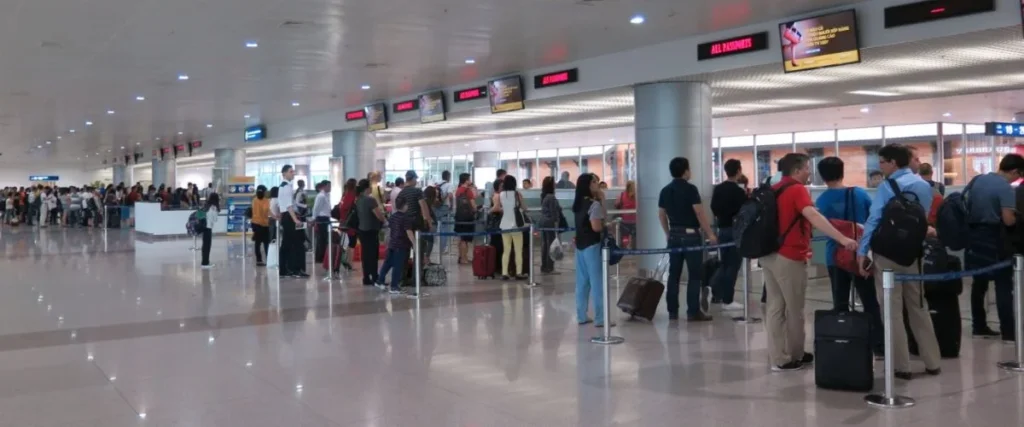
(556, 252)
(661, 271)
(273, 255)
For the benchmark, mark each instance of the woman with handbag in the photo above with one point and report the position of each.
(510, 205)
(550, 215)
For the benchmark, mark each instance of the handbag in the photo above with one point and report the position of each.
(273, 255)
(609, 243)
(352, 220)
(521, 219)
(843, 258)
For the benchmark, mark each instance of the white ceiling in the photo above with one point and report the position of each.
(65, 62)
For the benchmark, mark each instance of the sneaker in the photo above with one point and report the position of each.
(789, 367)
(985, 333)
(505, 278)
(732, 306)
(395, 292)
(699, 317)
(808, 358)
(380, 286)
(673, 316)
(601, 325)
(261, 264)
(584, 322)
(716, 300)
(933, 372)
(206, 267)
(705, 299)
(905, 376)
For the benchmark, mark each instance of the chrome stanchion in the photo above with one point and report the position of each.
(618, 241)
(531, 283)
(416, 264)
(330, 252)
(312, 255)
(1018, 317)
(889, 399)
(606, 337)
(745, 318)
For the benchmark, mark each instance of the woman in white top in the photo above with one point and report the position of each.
(49, 201)
(510, 205)
(212, 208)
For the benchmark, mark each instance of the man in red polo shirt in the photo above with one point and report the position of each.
(785, 271)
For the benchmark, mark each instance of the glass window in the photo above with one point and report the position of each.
(616, 160)
(592, 161)
(528, 167)
(509, 162)
(860, 160)
(548, 163)
(568, 161)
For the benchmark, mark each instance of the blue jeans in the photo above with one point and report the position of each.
(444, 225)
(589, 283)
(395, 262)
(694, 261)
(723, 284)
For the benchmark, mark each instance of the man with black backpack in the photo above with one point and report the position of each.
(895, 232)
(990, 210)
(785, 267)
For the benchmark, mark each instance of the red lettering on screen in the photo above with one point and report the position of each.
(469, 94)
(938, 10)
(167, 150)
(551, 79)
(405, 106)
(732, 46)
(355, 115)
(197, 144)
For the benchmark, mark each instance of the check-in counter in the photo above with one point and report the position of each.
(151, 220)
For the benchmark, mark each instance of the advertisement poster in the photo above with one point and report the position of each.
(240, 191)
(432, 107)
(376, 117)
(823, 41)
(506, 94)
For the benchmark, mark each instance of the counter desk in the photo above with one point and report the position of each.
(151, 220)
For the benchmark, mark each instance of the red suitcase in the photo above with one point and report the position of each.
(483, 261)
(336, 251)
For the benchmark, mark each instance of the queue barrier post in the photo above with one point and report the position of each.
(1018, 317)
(312, 255)
(330, 252)
(746, 319)
(606, 337)
(279, 237)
(888, 399)
(531, 283)
(618, 241)
(416, 264)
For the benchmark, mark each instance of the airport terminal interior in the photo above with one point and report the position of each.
(114, 320)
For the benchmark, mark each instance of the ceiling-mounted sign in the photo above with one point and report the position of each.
(470, 94)
(506, 94)
(432, 107)
(733, 46)
(1004, 129)
(254, 133)
(354, 115)
(822, 41)
(43, 178)
(934, 10)
(403, 106)
(196, 144)
(556, 78)
(376, 117)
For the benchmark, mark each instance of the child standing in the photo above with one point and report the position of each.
(399, 246)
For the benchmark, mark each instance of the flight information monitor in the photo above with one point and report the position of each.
(376, 117)
(506, 94)
(819, 42)
(431, 107)
(1004, 129)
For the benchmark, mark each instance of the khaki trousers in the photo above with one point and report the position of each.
(908, 295)
(786, 287)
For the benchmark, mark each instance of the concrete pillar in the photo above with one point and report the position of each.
(121, 174)
(336, 174)
(672, 119)
(356, 150)
(165, 172)
(227, 163)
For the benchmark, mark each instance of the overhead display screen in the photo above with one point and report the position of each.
(432, 107)
(819, 42)
(355, 115)
(1004, 129)
(376, 117)
(733, 46)
(934, 10)
(401, 107)
(556, 78)
(43, 178)
(475, 93)
(506, 94)
(255, 133)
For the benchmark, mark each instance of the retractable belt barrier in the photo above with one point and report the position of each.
(888, 399)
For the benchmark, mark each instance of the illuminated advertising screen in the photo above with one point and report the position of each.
(506, 94)
(432, 107)
(819, 42)
(376, 117)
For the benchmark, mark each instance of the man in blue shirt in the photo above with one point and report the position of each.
(991, 208)
(894, 161)
(849, 204)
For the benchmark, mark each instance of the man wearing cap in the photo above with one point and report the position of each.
(412, 196)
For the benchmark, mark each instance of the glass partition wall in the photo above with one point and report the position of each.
(957, 153)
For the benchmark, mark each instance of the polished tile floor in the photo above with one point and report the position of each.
(113, 331)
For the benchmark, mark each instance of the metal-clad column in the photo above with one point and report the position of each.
(673, 119)
(227, 163)
(356, 149)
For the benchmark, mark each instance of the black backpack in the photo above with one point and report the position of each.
(951, 220)
(463, 209)
(901, 232)
(756, 226)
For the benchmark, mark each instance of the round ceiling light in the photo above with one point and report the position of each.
(637, 20)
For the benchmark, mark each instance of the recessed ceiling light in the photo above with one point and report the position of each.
(947, 114)
(122, 147)
(246, 116)
(60, 137)
(536, 138)
(182, 76)
(208, 125)
(637, 20)
(39, 146)
(72, 131)
(365, 87)
(865, 110)
(158, 139)
(295, 104)
(49, 142)
(140, 98)
(873, 93)
(1014, 119)
(470, 61)
(87, 156)
(97, 154)
(110, 111)
(109, 150)
(746, 130)
(181, 133)
(139, 143)
(88, 123)
(465, 145)
(251, 44)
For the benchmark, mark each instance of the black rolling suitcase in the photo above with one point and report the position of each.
(641, 295)
(945, 313)
(842, 347)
